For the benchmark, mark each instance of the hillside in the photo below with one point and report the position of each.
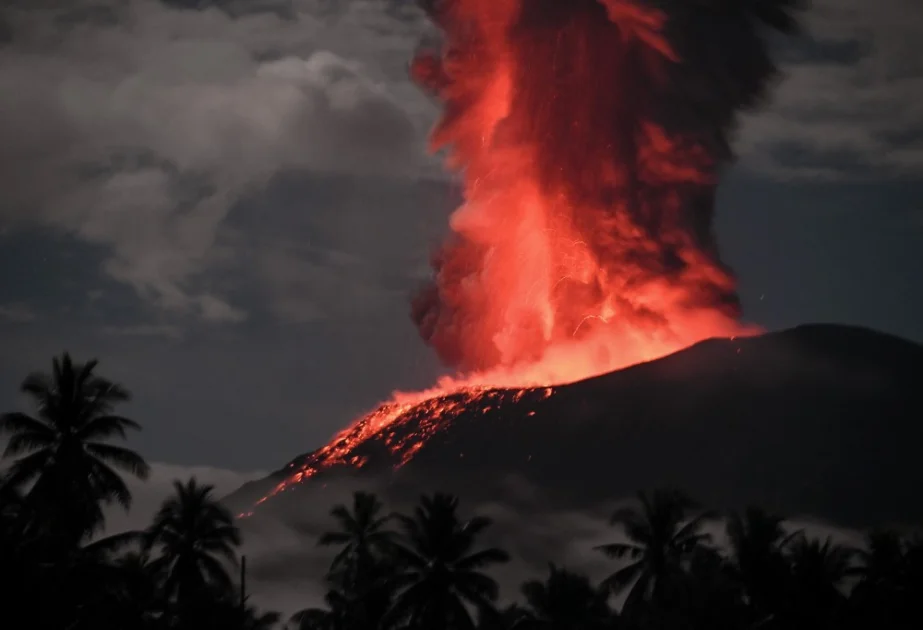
(818, 420)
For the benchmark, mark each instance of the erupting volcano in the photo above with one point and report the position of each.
(590, 136)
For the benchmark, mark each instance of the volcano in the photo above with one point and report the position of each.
(818, 420)
(589, 138)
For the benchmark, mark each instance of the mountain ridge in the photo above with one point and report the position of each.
(785, 419)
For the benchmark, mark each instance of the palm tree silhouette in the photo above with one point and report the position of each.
(228, 614)
(661, 538)
(711, 597)
(564, 601)
(131, 594)
(363, 536)
(819, 568)
(884, 594)
(24, 558)
(757, 541)
(197, 539)
(255, 619)
(506, 618)
(439, 570)
(106, 590)
(359, 569)
(335, 617)
(65, 449)
(882, 563)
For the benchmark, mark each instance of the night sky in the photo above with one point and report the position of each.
(229, 203)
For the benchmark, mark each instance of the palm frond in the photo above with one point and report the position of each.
(27, 468)
(620, 550)
(477, 525)
(691, 528)
(38, 387)
(109, 484)
(114, 543)
(16, 422)
(120, 457)
(333, 538)
(26, 443)
(107, 426)
(477, 585)
(618, 581)
(483, 558)
(215, 573)
(342, 514)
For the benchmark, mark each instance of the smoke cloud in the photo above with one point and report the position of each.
(592, 135)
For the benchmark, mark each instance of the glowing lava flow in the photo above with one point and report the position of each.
(590, 136)
(402, 426)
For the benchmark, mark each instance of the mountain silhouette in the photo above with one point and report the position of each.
(817, 421)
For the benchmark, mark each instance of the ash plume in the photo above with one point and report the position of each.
(591, 135)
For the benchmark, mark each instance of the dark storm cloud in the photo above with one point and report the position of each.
(138, 127)
(851, 100)
(16, 312)
(139, 132)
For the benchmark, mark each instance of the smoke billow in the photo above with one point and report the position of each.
(591, 135)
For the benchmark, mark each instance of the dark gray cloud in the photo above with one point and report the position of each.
(16, 313)
(140, 132)
(851, 101)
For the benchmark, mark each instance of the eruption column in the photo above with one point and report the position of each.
(585, 241)
(590, 135)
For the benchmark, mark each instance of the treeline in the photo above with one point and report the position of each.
(427, 570)
(61, 471)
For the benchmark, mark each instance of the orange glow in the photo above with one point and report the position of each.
(584, 243)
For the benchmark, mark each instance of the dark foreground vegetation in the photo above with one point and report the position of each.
(428, 570)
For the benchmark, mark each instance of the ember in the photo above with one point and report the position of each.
(590, 135)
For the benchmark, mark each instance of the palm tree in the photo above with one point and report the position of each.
(883, 595)
(507, 618)
(757, 541)
(132, 597)
(819, 568)
(362, 536)
(439, 570)
(882, 563)
(24, 559)
(65, 449)
(228, 614)
(358, 570)
(712, 596)
(197, 539)
(335, 617)
(255, 619)
(662, 534)
(16, 518)
(564, 601)
(106, 589)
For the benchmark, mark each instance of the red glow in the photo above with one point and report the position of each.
(584, 244)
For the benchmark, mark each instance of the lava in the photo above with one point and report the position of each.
(585, 241)
(590, 136)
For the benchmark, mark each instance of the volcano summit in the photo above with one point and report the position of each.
(818, 421)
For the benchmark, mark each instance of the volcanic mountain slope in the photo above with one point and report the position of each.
(819, 420)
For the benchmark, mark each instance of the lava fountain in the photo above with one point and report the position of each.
(590, 136)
